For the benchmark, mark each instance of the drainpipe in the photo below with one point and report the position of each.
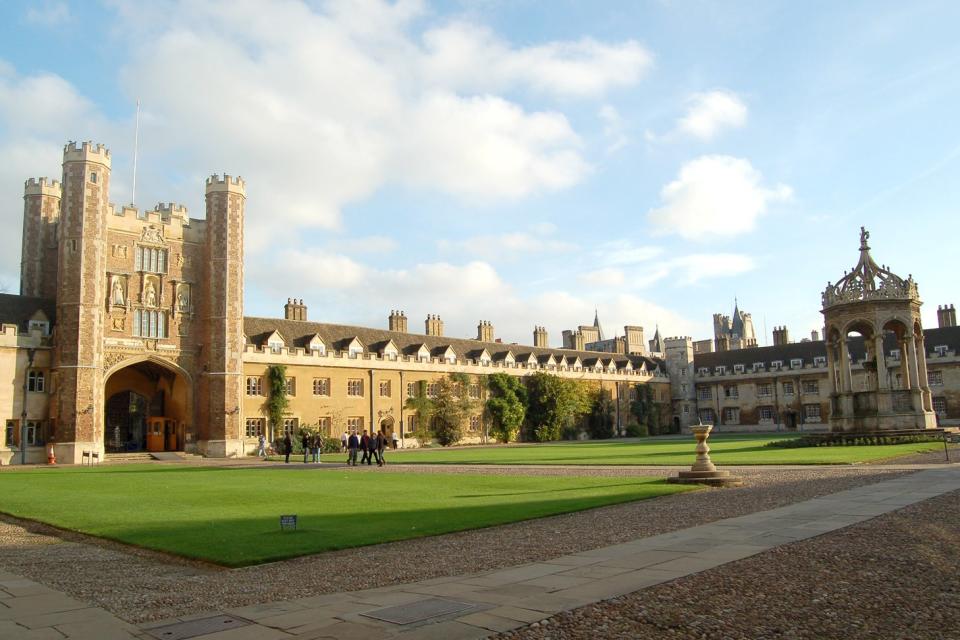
(23, 413)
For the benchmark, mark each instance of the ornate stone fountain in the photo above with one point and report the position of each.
(703, 470)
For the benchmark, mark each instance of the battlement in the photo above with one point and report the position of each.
(169, 210)
(216, 183)
(86, 152)
(42, 187)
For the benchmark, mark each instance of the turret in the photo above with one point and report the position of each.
(38, 255)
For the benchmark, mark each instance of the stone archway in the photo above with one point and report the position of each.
(148, 406)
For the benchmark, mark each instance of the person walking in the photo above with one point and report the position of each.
(287, 447)
(353, 443)
(261, 446)
(381, 447)
(305, 443)
(396, 440)
(343, 441)
(317, 447)
(365, 447)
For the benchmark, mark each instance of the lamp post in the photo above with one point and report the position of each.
(31, 352)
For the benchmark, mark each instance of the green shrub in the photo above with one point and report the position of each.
(637, 430)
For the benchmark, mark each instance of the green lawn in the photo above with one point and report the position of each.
(231, 516)
(731, 449)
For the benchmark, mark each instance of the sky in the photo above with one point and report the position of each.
(523, 162)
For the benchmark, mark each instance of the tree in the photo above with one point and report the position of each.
(602, 416)
(277, 400)
(452, 407)
(507, 406)
(646, 410)
(554, 403)
(423, 407)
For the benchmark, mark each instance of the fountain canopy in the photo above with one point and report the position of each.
(869, 281)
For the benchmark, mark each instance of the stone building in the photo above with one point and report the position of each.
(129, 334)
(734, 332)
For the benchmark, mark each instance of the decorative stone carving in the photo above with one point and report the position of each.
(149, 294)
(118, 291)
(119, 251)
(179, 259)
(118, 323)
(869, 281)
(152, 234)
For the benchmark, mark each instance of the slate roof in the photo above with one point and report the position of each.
(337, 336)
(18, 310)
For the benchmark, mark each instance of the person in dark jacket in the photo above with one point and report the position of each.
(381, 447)
(353, 443)
(365, 446)
(287, 446)
(305, 443)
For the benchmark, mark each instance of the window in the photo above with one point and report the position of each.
(150, 260)
(275, 346)
(254, 427)
(93, 177)
(935, 378)
(355, 424)
(325, 425)
(764, 390)
(474, 391)
(411, 389)
(738, 368)
(940, 349)
(254, 386)
(474, 423)
(703, 393)
(939, 407)
(35, 381)
(811, 412)
(686, 409)
(34, 432)
(731, 391)
(385, 389)
(39, 325)
(683, 372)
(810, 387)
(433, 390)
(776, 365)
(703, 371)
(706, 416)
(355, 387)
(895, 354)
(683, 388)
(788, 388)
(290, 426)
(758, 366)
(820, 361)
(765, 414)
(291, 384)
(720, 371)
(796, 363)
(731, 415)
(411, 425)
(10, 431)
(633, 394)
(321, 386)
(149, 324)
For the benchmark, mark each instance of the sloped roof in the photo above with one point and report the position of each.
(18, 310)
(257, 329)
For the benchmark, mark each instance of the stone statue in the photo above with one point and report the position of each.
(117, 291)
(150, 295)
(183, 298)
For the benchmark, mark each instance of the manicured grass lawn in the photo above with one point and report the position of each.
(732, 449)
(231, 516)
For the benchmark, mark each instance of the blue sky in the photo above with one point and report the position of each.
(522, 162)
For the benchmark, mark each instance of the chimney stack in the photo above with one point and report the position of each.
(397, 321)
(946, 316)
(815, 335)
(295, 310)
(780, 336)
(434, 325)
(485, 331)
(540, 337)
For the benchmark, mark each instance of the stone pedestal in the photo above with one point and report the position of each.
(703, 470)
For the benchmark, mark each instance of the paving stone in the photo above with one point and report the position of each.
(449, 630)
(516, 613)
(89, 614)
(39, 604)
(250, 632)
(97, 630)
(595, 571)
(486, 620)
(643, 559)
(555, 582)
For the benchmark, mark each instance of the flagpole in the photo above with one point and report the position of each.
(136, 145)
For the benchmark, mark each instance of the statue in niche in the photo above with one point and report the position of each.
(150, 295)
(118, 297)
(183, 298)
(179, 259)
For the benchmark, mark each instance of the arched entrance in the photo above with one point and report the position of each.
(148, 407)
(386, 426)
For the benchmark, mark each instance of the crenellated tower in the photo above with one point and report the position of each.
(81, 262)
(38, 257)
(219, 429)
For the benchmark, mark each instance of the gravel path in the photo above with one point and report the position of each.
(891, 577)
(140, 585)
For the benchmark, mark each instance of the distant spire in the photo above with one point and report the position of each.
(596, 322)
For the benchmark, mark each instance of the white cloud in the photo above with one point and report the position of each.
(692, 269)
(613, 128)
(514, 245)
(622, 252)
(709, 113)
(48, 14)
(368, 244)
(606, 277)
(715, 196)
(468, 56)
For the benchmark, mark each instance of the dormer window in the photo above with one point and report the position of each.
(940, 350)
(757, 366)
(720, 371)
(39, 325)
(776, 365)
(275, 346)
(895, 354)
(738, 368)
(820, 361)
(703, 371)
(796, 363)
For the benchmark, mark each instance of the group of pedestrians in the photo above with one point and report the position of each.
(372, 446)
(312, 444)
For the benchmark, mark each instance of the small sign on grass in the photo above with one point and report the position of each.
(288, 523)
